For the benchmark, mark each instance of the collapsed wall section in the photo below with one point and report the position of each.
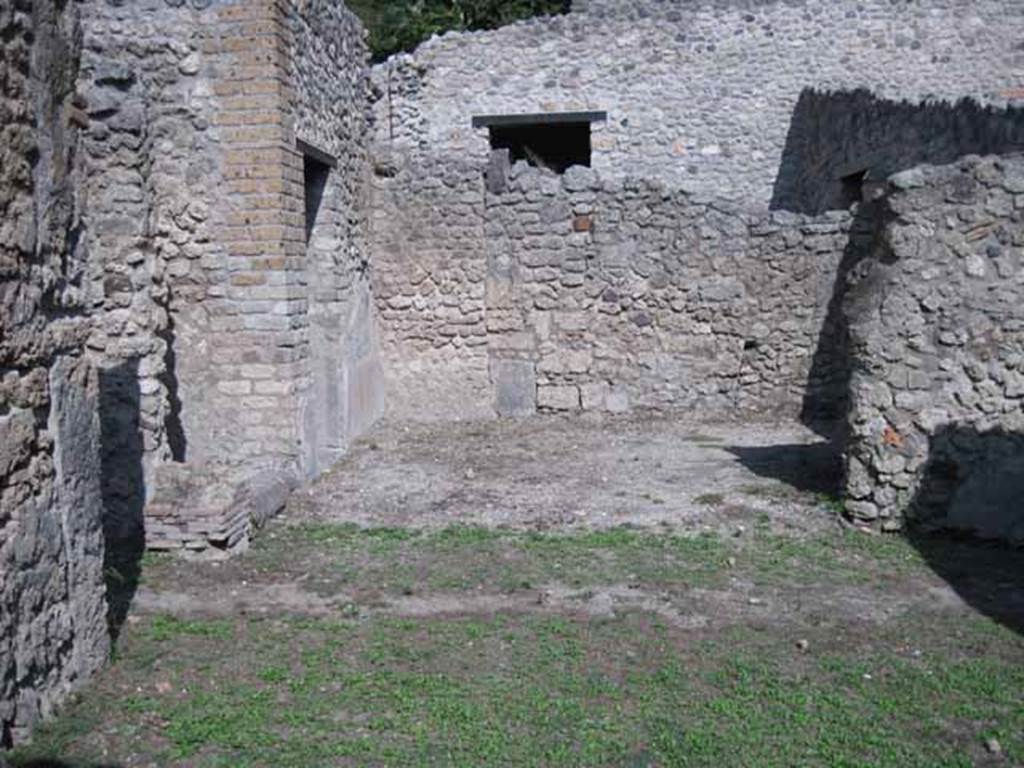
(52, 611)
(937, 330)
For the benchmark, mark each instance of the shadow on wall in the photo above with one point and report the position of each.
(840, 149)
(973, 484)
(123, 486)
(826, 394)
(841, 141)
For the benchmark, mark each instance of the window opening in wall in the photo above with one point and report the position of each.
(316, 167)
(555, 141)
(853, 187)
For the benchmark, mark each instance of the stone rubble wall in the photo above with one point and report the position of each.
(152, 148)
(758, 106)
(609, 295)
(429, 274)
(52, 610)
(225, 338)
(164, 322)
(535, 291)
(937, 330)
(700, 95)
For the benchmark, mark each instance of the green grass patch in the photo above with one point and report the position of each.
(163, 628)
(551, 690)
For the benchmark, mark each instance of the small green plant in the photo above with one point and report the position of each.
(710, 499)
(832, 503)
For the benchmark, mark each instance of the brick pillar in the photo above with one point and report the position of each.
(258, 345)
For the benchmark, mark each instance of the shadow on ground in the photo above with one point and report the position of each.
(988, 576)
(973, 483)
(812, 468)
(967, 518)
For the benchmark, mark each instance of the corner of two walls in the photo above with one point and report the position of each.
(748, 143)
(231, 339)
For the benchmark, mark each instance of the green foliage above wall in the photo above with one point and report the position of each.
(401, 25)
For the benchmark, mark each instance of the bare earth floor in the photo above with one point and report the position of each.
(581, 472)
(563, 592)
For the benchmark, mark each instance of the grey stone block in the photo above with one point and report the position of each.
(515, 387)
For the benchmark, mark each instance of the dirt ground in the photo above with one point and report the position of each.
(581, 472)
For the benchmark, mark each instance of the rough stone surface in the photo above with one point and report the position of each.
(345, 392)
(429, 283)
(665, 301)
(937, 326)
(52, 611)
(226, 241)
(226, 332)
(169, 324)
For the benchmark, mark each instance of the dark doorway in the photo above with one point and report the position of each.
(314, 174)
(316, 168)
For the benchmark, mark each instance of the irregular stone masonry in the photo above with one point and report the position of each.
(702, 95)
(52, 615)
(937, 322)
(611, 295)
(837, 135)
(170, 253)
(223, 331)
(429, 274)
(771, 113)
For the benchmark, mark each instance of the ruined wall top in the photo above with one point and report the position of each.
(702, 95)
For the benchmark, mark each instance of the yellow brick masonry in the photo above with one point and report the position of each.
(260, 349)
